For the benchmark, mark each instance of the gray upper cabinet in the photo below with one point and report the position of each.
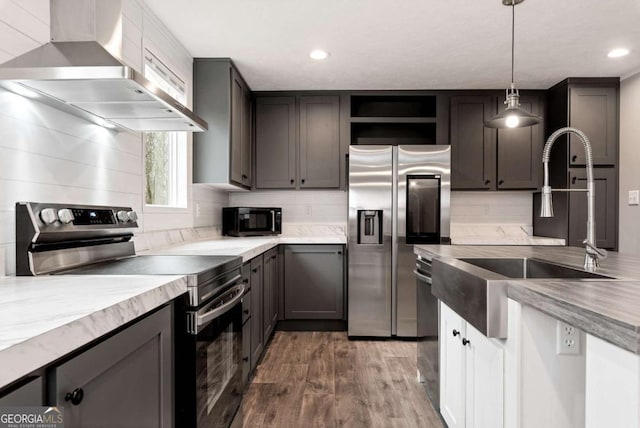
(319, 141)
(222, 155)
(128, 377)
(595, 112)
(276, 143)
(473, 146)
(314, 282)
(520, 150)
(298, 142)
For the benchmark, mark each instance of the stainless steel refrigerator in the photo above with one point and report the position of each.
(399, 196)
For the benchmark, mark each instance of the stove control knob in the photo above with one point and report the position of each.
(48, 216)
(132, 216)
(123, 217)
(65, 215)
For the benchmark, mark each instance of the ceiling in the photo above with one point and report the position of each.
(408, 44)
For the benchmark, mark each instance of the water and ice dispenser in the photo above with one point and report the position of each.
(370, 227)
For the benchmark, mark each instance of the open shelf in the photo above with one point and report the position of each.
(393, 133)
(377, 119)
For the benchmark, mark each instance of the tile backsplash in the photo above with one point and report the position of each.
(298, 206)
(514, 207)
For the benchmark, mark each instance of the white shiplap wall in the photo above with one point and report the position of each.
(50, 156)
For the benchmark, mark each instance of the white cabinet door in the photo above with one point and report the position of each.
(452, 367)
(484, 380)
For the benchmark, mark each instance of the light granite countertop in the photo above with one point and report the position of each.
(606, 309)
(247, 248)
(44, 318)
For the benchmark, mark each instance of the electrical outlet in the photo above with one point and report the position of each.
(307, 210)
(197, 209)
(634, 197)
(567, 339)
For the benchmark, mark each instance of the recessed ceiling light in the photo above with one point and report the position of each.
(617, 53)
(318, 54)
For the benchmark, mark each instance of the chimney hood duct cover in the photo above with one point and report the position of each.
(84, 79)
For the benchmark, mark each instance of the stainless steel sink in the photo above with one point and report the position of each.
(476, 287)
(532, 268)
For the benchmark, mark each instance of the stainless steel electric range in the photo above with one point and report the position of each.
(65, 239)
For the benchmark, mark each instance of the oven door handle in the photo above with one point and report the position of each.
(422, 277)
(216, 289)
(220, 310)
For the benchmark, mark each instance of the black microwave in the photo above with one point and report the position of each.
(244, 221)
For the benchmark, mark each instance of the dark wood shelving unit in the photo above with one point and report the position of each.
(393, 119)
(377, 119)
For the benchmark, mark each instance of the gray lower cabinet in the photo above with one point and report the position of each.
(606, 207)
(246, 324)
(124, 381)
(314, 282)
(270, 303)
(27, 394)
(257, 339)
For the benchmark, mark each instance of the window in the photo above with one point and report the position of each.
(165, 153)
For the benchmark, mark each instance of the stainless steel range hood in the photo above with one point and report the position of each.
(83, 78)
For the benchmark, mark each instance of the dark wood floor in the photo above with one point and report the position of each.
(322, 379)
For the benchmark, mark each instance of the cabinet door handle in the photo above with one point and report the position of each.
(573, 180)
(292, 180)
(456, 333)
(273, 257)
(302, 181)
(75, 396)
(254, 270)
(501, 182)
(246, 311)
(574, 158)
(465, 341)
(244, 176)
(245, 359)
(487, 182)
(339, 253)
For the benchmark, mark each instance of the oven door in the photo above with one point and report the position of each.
(214, 372)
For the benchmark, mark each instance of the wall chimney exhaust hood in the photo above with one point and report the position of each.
(83, 78)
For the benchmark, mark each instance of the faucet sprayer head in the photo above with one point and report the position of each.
(546, 205)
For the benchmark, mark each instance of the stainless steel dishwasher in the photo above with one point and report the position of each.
(428, 349)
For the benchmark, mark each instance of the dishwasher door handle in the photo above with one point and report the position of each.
(422, 277)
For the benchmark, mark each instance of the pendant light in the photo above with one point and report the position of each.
(512, 116)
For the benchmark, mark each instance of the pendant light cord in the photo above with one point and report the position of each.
(513, 26)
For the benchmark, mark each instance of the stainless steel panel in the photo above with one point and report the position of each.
(394, 244)
(417, 160)
(369, 294)
(84, 79)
